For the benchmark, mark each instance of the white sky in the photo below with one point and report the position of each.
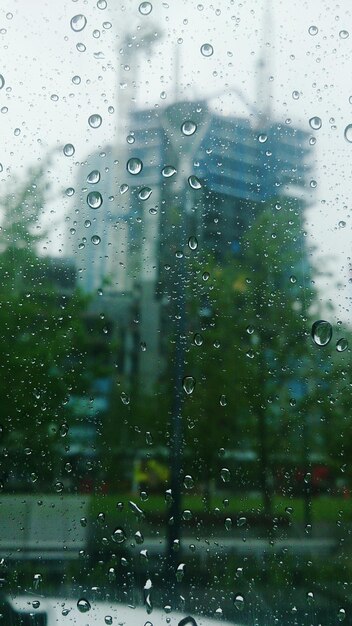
(39, 59)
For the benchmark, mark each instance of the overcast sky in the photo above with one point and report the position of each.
(39, 58)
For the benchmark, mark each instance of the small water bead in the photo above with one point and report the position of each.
(228, 523)
(205, 276)
(223, 400)
(341, 224)
(145, 8)
(138, 537)
(313, 30)
(69, 150)
(341, 345)
(225, 475)
(102, 4)
(207, 50)
(94, 199)
(59, 487)
(262, 138)
(35, 604)
(108, 620)
(188, 384)
(111, 110)
(168, 171)
(69, 191)
(83, 605)
(188, 481)
(130, 139)
(344, 34)
(348, 133)
(95, 120)
(95, 239)
(239, 602)
(193, 243)
(313, 184)
(188, 128)
(76, 80)
(295, 95)
(321, 332)
(187, 515)
(134, 166)
(145, 193)
(123, 188)
(93, 177)
(107, 25)
(83, 521)
(80, 47)
(194, 182)
(250, 329)
(198, 339)
(96, 33)
(2, 81)
(78, 23)
(341, 615)
(315, 122)
(54, 97)
(119, 535)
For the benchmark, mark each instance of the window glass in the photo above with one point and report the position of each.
(175, 289)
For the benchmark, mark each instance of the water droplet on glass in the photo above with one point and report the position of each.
(125, 398)
(262, 138)
(250, 330)
(80, 47)
(134, 166)
(119, 535)
(295, 95)
(108, 620)
(145, 8)
(341, 345)
(95, 120)
(293, 279)
(94, 199)
(180, 572)
(2, 81)
(76, 80)
(194, 182)
(223, 400)
(188, 481)
(315, 122)
(35, 604)
(198, 339)
(94, 177)
(187, 515)
(123, 188)
(59, 487)
(341, 224)
(341, 615)
(147, 589)
(63, 430)
(83, 605)
(138, 537)
(344, 34)
(107, 25)
(102, 4)
(145, 193)
(188, 128)
(95, 239)
(313, 30)
(69, 150)
(239, 602)
(78, 22)
(37, 579)
(168, 171)
(69, 191)
(83, 521)
(207, 50)
(188, 384)
(136, 510)
(348, 133)
(225, 475)
(228, 523)
(321, 332)
(193, 243)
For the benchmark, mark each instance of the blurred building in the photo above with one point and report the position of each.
(217, 170)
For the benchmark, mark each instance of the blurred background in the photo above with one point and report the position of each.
(175, 428)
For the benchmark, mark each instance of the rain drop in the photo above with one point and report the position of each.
(223, 400)
(76, 80)
(83, 605)
(188, 384)
(194, 183)
(341, 615)
(78, 23)
(193, 243)
(2, 81)
(239, 602)
(95, 120)
(145, 8)
(207, 50)
(108, 620)
(348, 133)
(313, 30)
(225, 475)
(315, 122)
(118, 535)
(145, 193)
(168, 171)
(188, 481)
(94, 177)
(188, 128)
(95, 239)
(341, 345)
(94, 199)
(197, 339)
(321, 333)
(134, 166)
(123, 188)
(69, 150)
(102, 4)
(81, 47)
(344, 34)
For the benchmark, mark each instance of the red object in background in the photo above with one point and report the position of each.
(320, 475)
